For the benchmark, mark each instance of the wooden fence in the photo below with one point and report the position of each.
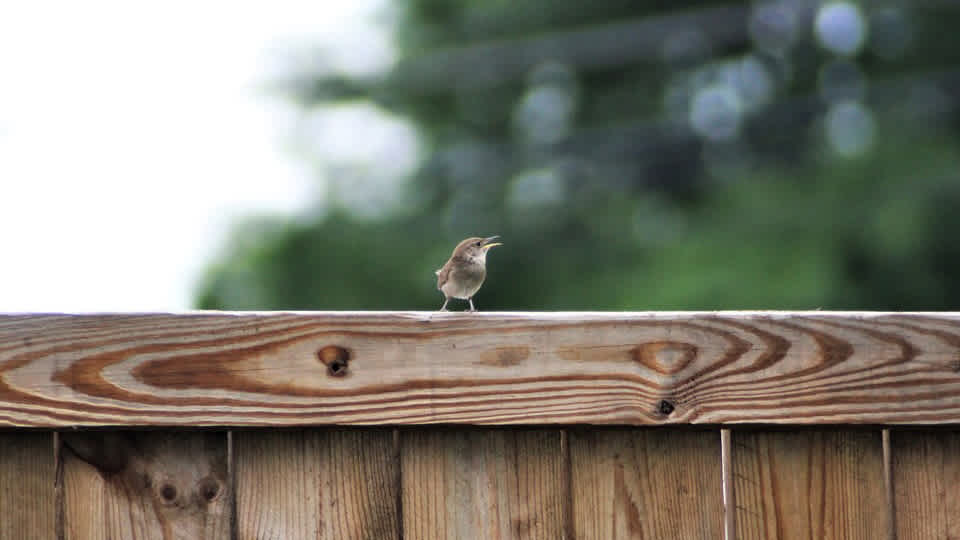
(808, 425)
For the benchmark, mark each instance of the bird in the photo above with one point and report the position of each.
(463, 274)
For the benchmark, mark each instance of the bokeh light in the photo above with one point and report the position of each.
(850, 128)
(841, 28)
(538, 189)
(754, 82)
(716, 112)
(545, 113)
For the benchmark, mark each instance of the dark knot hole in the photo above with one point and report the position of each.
(336, 358)
(168, 492)
(209, 488)
(666, 407)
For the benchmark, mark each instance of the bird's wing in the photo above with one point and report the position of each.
(442, 275)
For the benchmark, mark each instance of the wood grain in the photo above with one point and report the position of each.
(329, 484)
(27, 502)
(641, 483)
(288, 369)
(926, 469)
(496, 485)
(729, 494)
(809, 484)
(891, 509)
(146, 485)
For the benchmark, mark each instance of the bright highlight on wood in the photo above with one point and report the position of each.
(378, 368)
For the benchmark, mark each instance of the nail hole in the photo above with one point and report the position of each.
(209, 488)
(168, 492)
(666, 407)
(336, 359)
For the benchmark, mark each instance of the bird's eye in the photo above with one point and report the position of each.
(478, 244)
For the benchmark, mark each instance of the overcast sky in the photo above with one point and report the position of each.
(132, 134)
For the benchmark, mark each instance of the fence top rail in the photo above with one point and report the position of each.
(535, 368)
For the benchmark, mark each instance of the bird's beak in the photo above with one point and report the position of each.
(489, 242)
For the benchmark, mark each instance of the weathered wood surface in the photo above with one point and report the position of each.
(888, 485)
(809, 484)
(729, 493)
(488, 368)
(146, 485)
(27, 500)
(630, 483)
(492, 484)
(926, 471)
(466, 482)
(329, 484)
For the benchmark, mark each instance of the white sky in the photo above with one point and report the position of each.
(133, 133)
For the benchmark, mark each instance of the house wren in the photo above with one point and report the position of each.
(462, 275)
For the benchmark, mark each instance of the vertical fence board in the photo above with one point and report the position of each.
(729, 494)
(638, 483)
(888, 487)
(809, 484)
(85, 492)
(27, 502)
(497, 484)
(926, 480)
(330, 484)
(146, 485)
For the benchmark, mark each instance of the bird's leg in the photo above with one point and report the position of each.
(472, 309)
(444, 306)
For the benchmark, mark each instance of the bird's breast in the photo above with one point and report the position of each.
(464, 280)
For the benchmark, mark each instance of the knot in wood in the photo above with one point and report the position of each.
(168, 492)
(666, 357)
(209, 488)
(336, 359)
(666, 408)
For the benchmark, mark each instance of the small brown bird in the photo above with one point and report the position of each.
(462, 275)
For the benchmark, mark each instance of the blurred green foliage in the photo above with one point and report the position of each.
(571, 129)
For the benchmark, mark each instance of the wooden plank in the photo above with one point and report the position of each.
(809, 484)
(729, 496)
(286, 369)
(888, 486)
(641, 483)
(926, 469)
(27, 501)
(331, 484)
(146, 485)
(498, 484)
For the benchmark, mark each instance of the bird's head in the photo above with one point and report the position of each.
(475, 248)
